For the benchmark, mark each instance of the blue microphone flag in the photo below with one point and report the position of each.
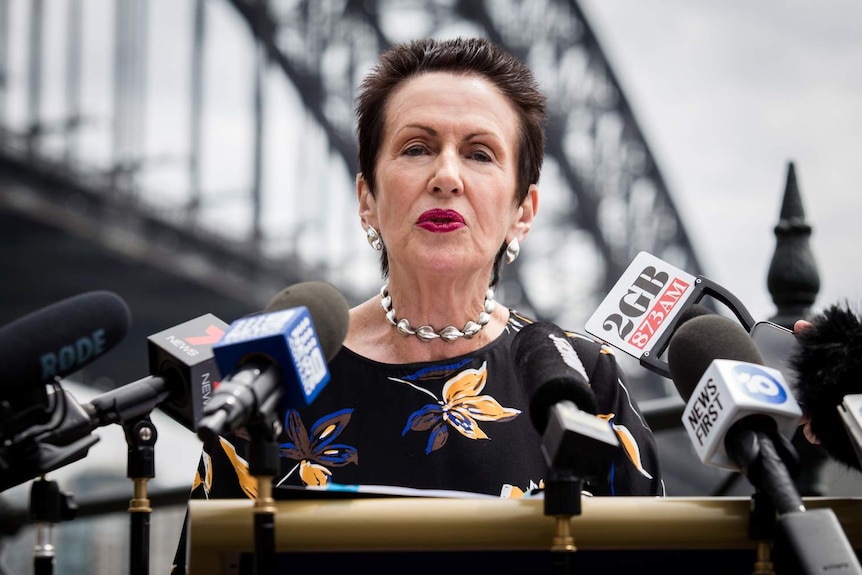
(287, 338)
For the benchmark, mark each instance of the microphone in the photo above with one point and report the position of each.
(641, 312)
(52, 343)
(828, 365)
(62, 338)
(719, 373)
(740, 414)
(277, 358)
(561, 403)
(38, 349)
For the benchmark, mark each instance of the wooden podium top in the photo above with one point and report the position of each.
(222, 527)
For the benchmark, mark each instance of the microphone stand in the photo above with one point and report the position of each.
(577, 446)
(761, 530)
(263, 428)
(141, 439)
(48, 505)
(807, 541)
(562, 501)
(264, 464)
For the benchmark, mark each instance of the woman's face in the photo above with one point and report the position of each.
(446, 176)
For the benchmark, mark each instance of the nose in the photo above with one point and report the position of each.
(447, 173)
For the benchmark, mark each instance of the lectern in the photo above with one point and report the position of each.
(702, 535)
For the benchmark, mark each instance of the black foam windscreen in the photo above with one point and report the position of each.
(702, 339)
(328, 308)
(70, 333)
(550, 371)
(828, 365)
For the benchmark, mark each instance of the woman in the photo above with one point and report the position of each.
(423, 393)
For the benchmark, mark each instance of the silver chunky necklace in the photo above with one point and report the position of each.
(426, 332)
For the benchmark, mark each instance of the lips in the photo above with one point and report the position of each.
(441, 217)
(440, 221)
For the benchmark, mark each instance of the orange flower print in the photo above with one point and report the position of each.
(628, 443)
(461, 409)
(316, 451)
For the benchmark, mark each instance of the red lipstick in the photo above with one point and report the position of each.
(440, 221)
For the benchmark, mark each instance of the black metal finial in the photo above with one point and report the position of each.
(793, 279)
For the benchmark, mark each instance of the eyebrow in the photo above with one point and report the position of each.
(434, 132)
(428, 129)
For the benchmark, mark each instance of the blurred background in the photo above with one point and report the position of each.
(197, 156)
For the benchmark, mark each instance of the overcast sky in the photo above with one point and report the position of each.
(727, 93)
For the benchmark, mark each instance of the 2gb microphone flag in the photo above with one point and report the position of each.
(640, 312)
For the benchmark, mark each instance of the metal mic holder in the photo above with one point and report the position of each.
(562, 501)
(264, 464)
(761, 530)
(48, 506)
(141, 439)
(577, 447)
(806, 542)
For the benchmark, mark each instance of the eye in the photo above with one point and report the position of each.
(480, 156)
(414, 150)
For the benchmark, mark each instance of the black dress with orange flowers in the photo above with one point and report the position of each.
(460, 424)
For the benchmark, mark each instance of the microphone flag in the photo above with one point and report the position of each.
(639, 314)
(731, 390)
(187, 349)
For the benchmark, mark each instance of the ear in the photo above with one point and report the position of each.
(367, 204)
(525, 215)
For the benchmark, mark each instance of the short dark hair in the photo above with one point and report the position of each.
(477, 56)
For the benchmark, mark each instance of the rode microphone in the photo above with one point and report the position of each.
(51, 343)
(828, 365)
(62, 338)
(277, 358)
(562, 404)
(641, 312)
(38, 349)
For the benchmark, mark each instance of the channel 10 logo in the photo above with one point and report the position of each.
(759, 384)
